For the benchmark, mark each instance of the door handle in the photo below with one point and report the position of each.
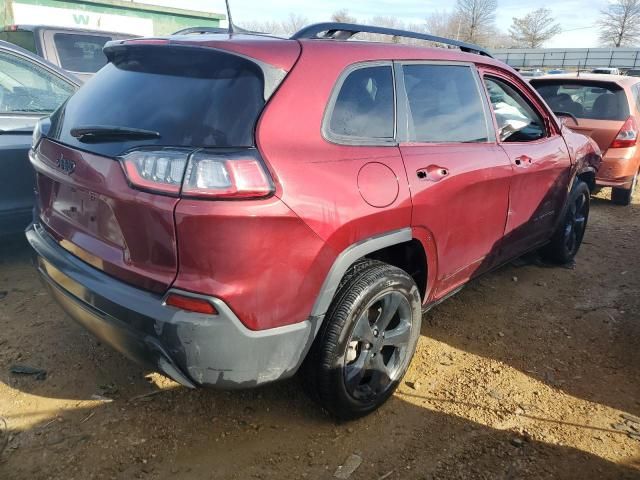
(523, 160)
(433, 173)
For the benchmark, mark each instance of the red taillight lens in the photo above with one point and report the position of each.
(628, 134)
(205, 173)
(190, 304)
(156, 170)
(226, 175)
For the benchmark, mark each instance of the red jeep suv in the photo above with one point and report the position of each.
(231, 208)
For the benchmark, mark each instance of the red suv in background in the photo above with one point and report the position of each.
(230, 208)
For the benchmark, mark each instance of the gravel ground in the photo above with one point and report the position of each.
(526, 373)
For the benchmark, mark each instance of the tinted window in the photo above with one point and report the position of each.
(444, 104)
(80, 53)
(584, 99)
(21, 38)
(191, 97)
(364, 107)
(517, 120)
(26, 87)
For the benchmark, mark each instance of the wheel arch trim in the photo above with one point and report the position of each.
(348, 257)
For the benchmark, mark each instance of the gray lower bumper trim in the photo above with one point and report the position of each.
(193, 349)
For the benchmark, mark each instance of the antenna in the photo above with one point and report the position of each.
(230, 20)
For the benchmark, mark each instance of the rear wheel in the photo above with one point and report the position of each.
(566, 241)
(366, 342)
(623, 196)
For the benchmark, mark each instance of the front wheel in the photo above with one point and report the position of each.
(623, 196)
(566, 240)
(366, 342)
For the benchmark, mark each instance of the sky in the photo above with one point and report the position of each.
(578, 18)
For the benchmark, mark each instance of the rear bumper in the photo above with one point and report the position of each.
(619, 165)
(193, 349)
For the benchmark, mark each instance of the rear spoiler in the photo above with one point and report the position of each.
(116, 50)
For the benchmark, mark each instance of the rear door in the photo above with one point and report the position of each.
(28, 91)
(459, 177)
(540, 159)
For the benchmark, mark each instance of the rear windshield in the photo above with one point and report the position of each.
(192, 97)
(81, 53)
(592, 100)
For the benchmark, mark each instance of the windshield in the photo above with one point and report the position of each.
(206, 98)
(584, 99)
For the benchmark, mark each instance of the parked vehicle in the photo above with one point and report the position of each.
(305, 214)
(30, 88)
(531, 73)
(633, 72)
(75, 50)
(556, 71)
(608, 110)
(606, 71)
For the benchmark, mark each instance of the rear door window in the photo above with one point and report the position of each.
(363, 110)
(585, 99)
(81, 53)
(517, 120)
(444, 104)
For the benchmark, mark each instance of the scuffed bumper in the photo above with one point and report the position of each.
(193, 349)
(619, 166)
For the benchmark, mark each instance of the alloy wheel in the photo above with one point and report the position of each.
(576, 224)
(379, 346)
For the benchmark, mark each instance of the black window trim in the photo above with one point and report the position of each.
(44, 67)
(338, 139)
(403, 100)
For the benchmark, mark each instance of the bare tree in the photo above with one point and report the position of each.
(343, 16)
(534, 28)
(442, 24)
(293, 23)
(620, 23)
(286, 27)
(476, 19)
(266, 26)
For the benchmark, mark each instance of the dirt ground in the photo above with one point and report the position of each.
(524, 374)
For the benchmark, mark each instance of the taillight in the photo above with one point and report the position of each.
(238, 174)
(628, 134)
(156, 170)
(204, 173)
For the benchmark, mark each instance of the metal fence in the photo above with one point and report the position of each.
(570, 58)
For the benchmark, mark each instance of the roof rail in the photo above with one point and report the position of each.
(200, 30)
(344, 31)
(204, 30)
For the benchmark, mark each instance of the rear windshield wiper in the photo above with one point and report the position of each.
(106, 133)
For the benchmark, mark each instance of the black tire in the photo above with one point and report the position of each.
(623, 196)
(369, 287)
(566, 240)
